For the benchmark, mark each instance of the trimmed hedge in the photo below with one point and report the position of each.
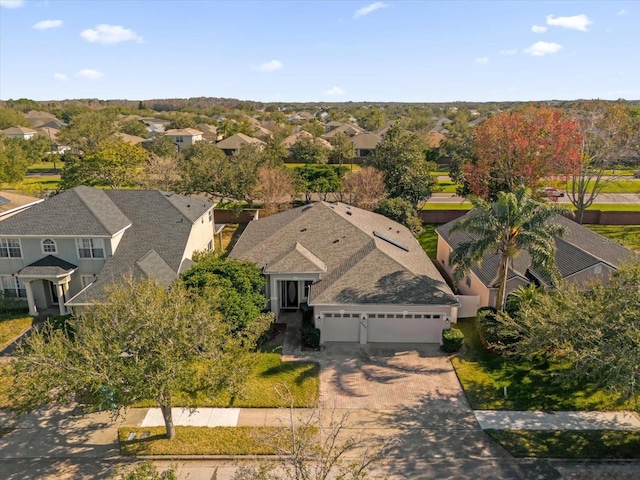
(452, 340)
(310, 336)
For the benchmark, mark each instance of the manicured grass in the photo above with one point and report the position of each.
(199, 441)
(345, 164)
(616, 207)
(627, 235)
(12, 327)
(445, 186)
(45, 167)
(35, 184)
(428, 239)
(616, 186)
(586, 444)
(530, 385)
(464, 205)
(302, 379)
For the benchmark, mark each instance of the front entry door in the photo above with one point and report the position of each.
(289, 294)
(54, 293)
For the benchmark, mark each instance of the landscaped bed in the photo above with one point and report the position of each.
(530, 385)
(588, 444)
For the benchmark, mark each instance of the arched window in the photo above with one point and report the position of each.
(49, 246)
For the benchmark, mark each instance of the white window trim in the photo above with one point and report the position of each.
(92, 257)
(16, 283)
(55, 246)
(8, 257)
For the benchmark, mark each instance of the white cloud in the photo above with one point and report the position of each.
(46, 24)
(334, 92)
(90, 74)
(271, 66)
(482, 60)
(61, 77)
(540, 49)
(577, 22)
(538, 29)
(622, 12)
(368, 9)
(11, 3)
(511, 51)
(109, 34)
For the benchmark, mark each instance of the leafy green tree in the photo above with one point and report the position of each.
(516, 221)
(13, 161)
(35, 149)
(87, 131)
(594, 328)
(134, 127)
(114, 164)
(161, 146)
(242, 282)
(401, 157)
(320, 179)
(314, 127)
(274, 151)
(401, 211)
(309, 151)
(342, 148)
(24, 105)
(144, 342)
(12, 118)
(204, 168)
(244, 172)
(371, 118)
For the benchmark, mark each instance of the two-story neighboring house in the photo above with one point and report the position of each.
(184, 137)
(63, 251)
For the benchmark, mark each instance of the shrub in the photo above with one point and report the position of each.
(452, 339)
(310, 336)
(497, 330)
(11, 305)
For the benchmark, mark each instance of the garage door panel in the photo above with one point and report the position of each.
(404, 330)
(341, 329)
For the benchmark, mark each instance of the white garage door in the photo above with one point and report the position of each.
(337, 327)
(398, 328)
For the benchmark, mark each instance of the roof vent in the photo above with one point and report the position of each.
(303, 229)
(390, 240)
(349, 212)
(336, 240)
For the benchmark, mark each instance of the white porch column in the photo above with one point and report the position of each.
(33, 311)
(60, 290)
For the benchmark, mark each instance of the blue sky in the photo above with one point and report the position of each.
(289, 51)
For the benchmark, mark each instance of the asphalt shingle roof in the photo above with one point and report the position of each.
(48, 266)
(577, 250)
(360, 267)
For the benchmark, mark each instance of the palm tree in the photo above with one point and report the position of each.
(516, 221)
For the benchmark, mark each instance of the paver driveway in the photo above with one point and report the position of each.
(388, 376)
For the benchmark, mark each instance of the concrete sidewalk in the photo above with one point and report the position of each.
(538, 420)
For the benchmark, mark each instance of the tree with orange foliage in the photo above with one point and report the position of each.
(519, 148)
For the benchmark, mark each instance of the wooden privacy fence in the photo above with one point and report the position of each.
(597, 217)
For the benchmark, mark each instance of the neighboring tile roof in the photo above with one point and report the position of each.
(15, 202)
(366, 140)
(48, 266)
(236, 141)
(94, 214)
(19, 130)
(132, 139)
(48, 133)
(184, 132)
(292, 139)
(346, 128)
(577, 250)
(361, 267)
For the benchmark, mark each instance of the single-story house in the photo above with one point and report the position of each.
(12, 203)
(366, 277)
(63, 251)
(19, 132)
(364, 144)
(582, 256)
(232, 145)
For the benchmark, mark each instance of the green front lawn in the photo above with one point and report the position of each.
(464, 205)
(12, 327)
(530, 385)
(198, 441)
(586, 444)
(302, 379)
(616, 207)
(615, 186)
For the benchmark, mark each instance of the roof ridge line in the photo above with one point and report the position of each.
(99, 220)
(347, 265)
